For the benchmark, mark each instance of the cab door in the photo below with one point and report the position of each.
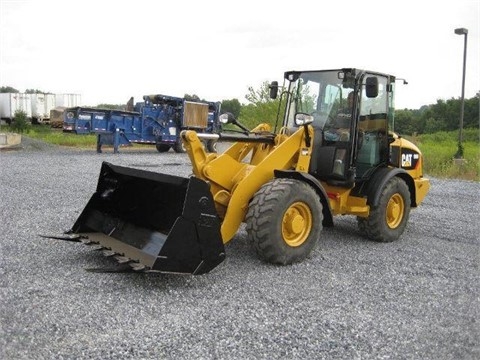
(372, 147)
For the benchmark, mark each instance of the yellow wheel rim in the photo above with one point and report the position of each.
(395, 210)
(296, 224)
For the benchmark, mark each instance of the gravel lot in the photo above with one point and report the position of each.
(417, 298)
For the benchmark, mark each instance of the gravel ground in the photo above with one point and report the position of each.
(416, 298)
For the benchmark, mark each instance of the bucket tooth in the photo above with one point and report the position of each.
(108, 253)
(87, 241)
(122, 259)
(137, 266)
(122, 268)
(65, 237)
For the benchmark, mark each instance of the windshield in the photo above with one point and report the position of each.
(321, 94)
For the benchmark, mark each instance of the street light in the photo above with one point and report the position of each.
(459, 154)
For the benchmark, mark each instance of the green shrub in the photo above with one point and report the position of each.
(20, 122)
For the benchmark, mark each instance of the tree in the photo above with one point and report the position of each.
(405, 122)
(471, 113)
(36, 91)
(193, 97)
(253, 114)
(262, 109)
(232, 106)
(433, 125)
(259, 96)
(8, 89)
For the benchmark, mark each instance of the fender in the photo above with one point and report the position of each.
(315, 184)
(372, 188)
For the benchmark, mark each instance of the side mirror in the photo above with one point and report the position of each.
(273, 89)
(227, 118)
(371, 87)
(303, 119)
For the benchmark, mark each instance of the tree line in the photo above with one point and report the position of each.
(9, 89)
(442, 116)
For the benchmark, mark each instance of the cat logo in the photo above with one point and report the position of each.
(406, 160)
(409, 160)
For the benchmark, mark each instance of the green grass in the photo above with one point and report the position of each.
(439, 149)
(58, 137)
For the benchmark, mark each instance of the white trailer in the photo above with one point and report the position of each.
(41, 106)
(68, 100)
(12, 102)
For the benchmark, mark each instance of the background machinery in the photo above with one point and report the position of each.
(325, 157)
(158, 120)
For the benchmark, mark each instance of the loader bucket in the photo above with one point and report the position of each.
(161, 222)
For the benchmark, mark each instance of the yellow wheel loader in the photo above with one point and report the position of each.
(332, 152)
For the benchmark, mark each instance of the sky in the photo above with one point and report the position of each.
(109, 51)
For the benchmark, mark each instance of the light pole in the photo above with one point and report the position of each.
(459, 154)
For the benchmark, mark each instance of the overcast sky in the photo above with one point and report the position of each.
(108, 51)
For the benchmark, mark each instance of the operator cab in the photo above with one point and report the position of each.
(350, 111)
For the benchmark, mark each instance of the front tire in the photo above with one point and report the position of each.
(387, 220)
(284, 221)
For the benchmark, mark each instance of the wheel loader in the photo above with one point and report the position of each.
(332, 151)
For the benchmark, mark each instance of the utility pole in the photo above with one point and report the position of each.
(459, 154)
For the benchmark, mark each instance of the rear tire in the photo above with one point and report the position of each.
(212, 146)
(387, 220)
(284, 221)
(179, 147)
(361, 223)
(161, 148)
